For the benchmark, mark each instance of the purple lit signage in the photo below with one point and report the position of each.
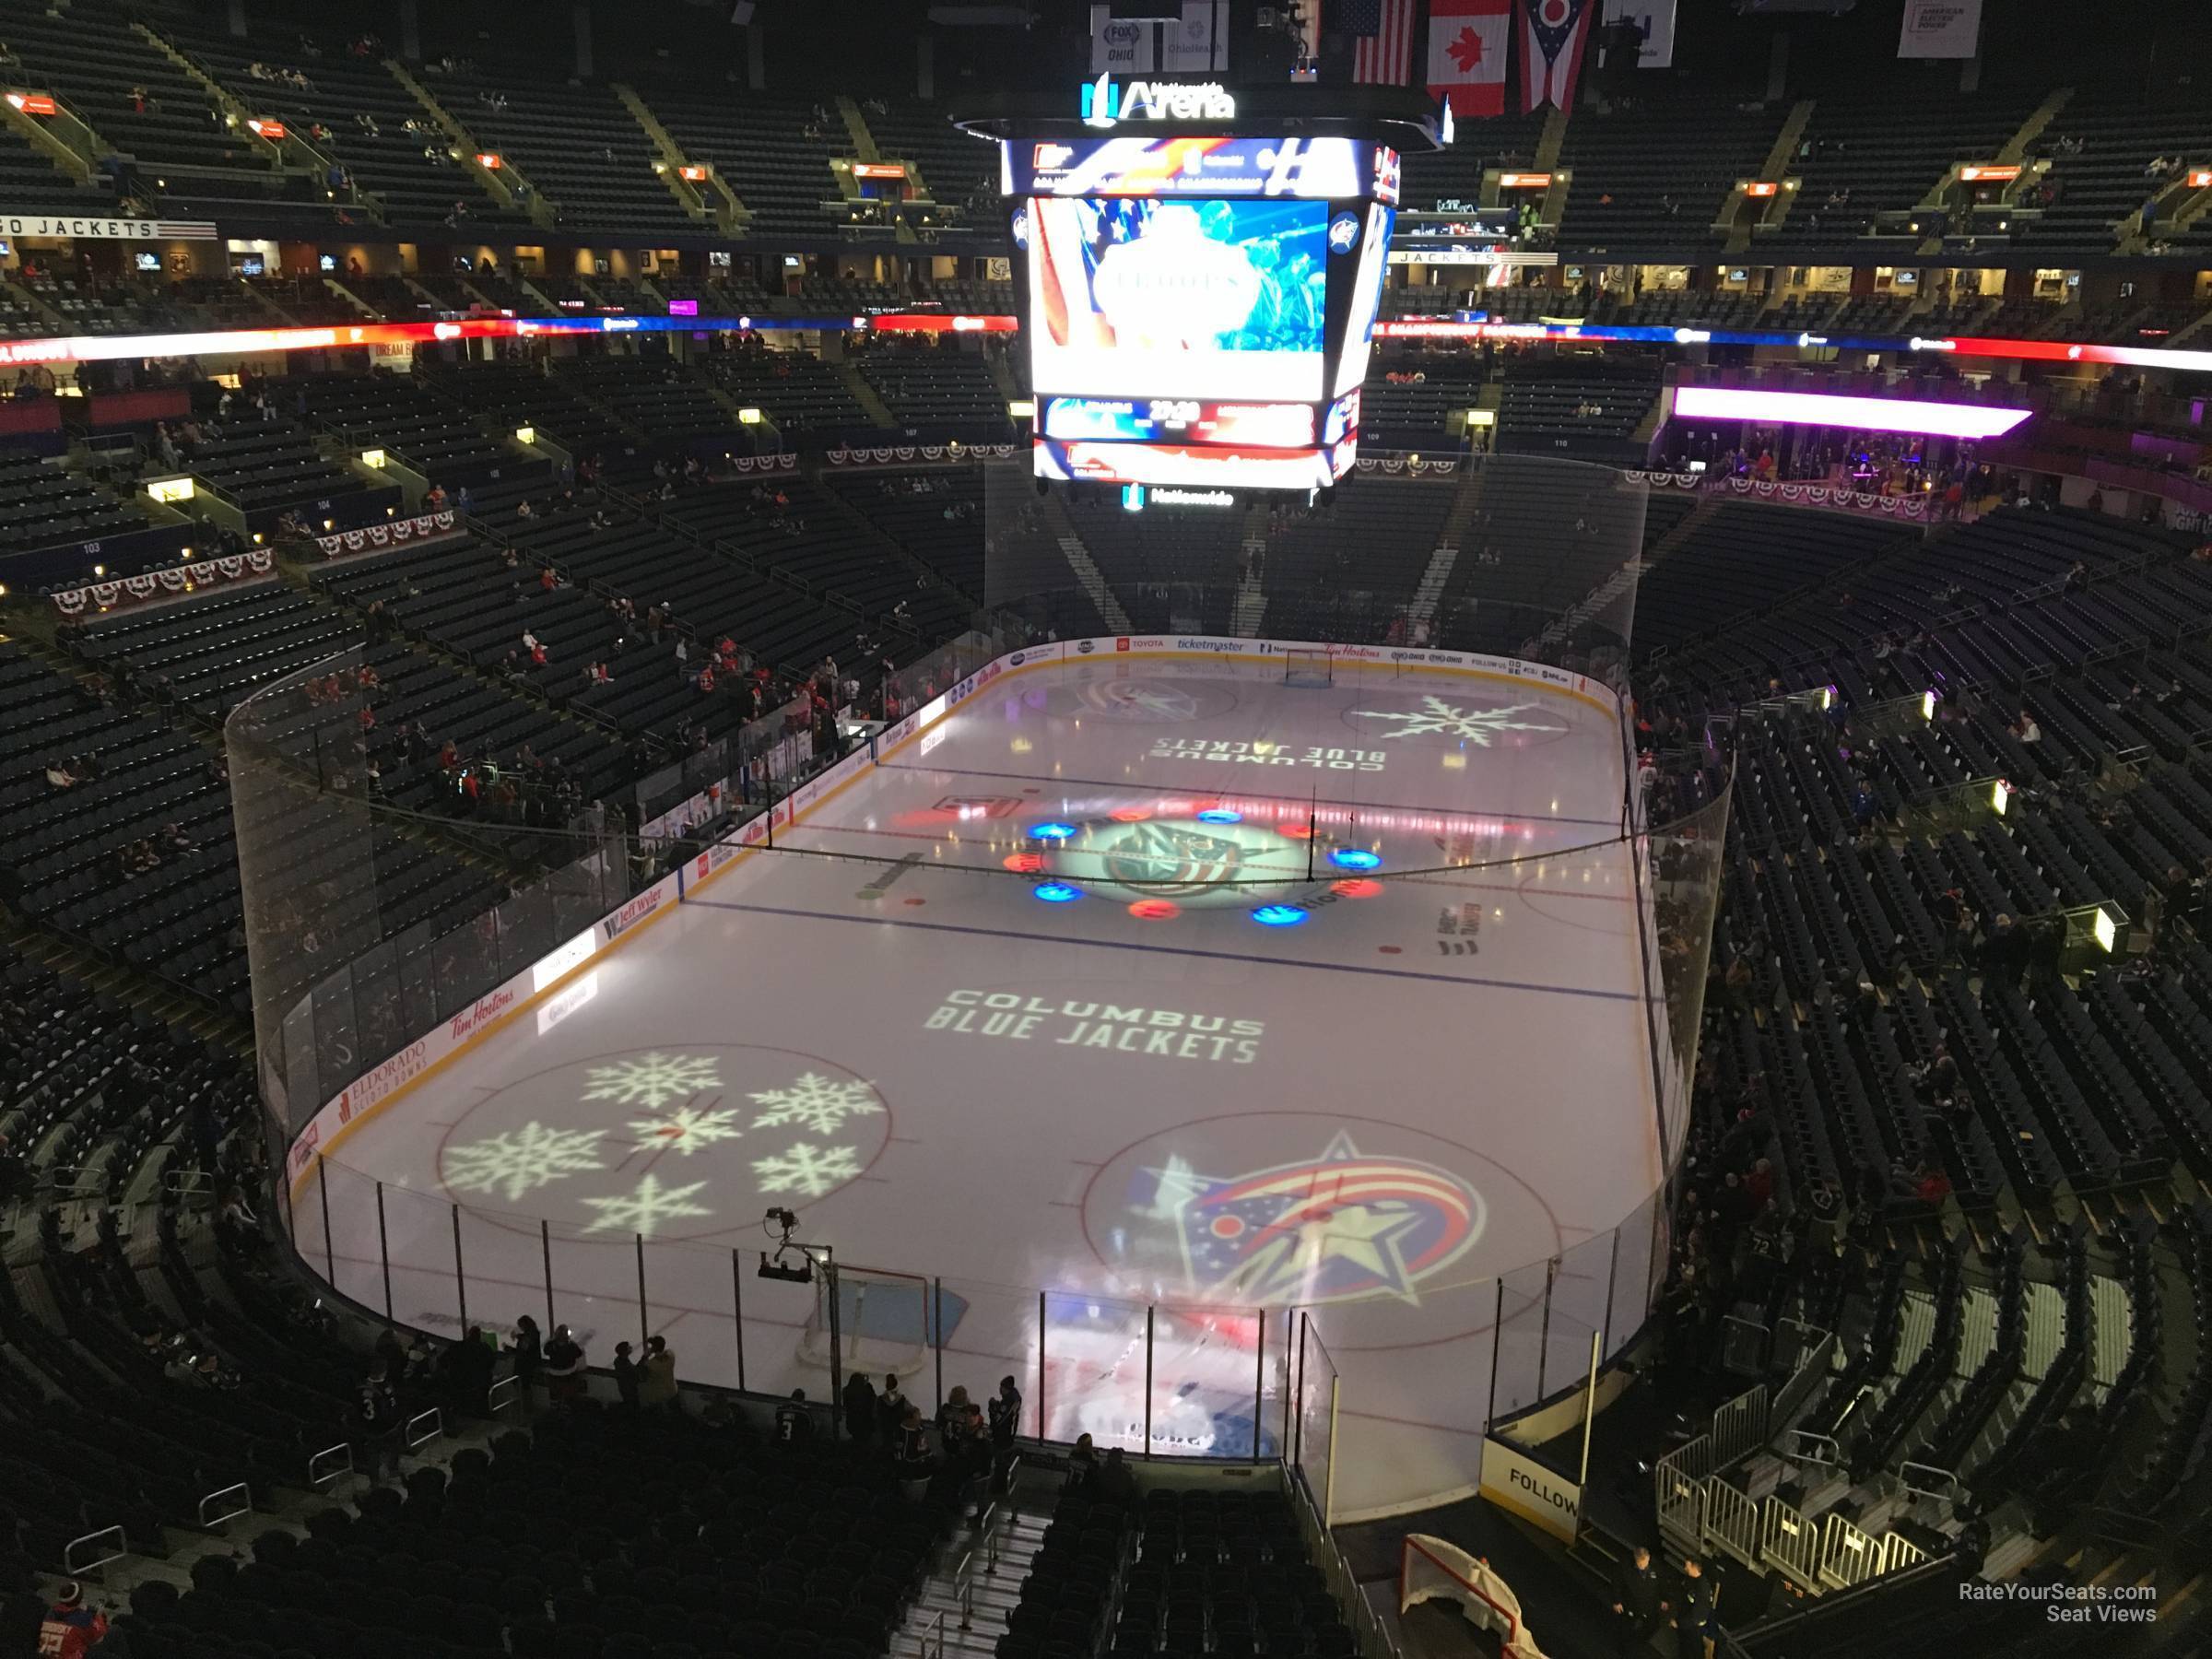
(683, 308)
(1866, 414)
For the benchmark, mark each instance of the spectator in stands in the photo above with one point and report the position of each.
(526, 1348)
(70, 1628)
(1005, 1423)
(794, 1422)
(2004, 950)
(564, 1364)
(859, 1403)
(1696, 1623)
(59, 777)
(910, 1443)
(469, 1366)
(890, 1412)
(656, 1386)
(376, 1421)
(626, 1377)
(1083, 1464)
(2025, 729)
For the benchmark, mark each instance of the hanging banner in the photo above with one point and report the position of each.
(1553, 33)
(1654, 21)
(1120, 45)
(1194, 44)
(1940, 28)
(105, 230)
(1466, 54)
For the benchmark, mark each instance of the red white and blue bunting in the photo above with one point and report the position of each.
(1823, 495)
(777, 463)
(160, 584)
(423, 528)
(1404, 466)
(906, 454)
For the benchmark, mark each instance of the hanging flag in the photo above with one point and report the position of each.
(1553, 35)
(1466, 54)
(1940, 28)
(1385, 57)
(1654, 21)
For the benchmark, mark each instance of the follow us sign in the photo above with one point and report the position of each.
(1513, 1480)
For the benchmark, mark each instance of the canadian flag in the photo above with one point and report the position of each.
(1466, 54)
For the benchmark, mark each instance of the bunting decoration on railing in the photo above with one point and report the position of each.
(784, 462)
(422, 527)
(177, 579)
(905, 454)
(1404, 466)
(1823, 495)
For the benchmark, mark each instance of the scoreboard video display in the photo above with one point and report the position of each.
(1199, 305)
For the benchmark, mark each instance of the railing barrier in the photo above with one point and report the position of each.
(1927, 1480)
(435, 1431)
(1802, 1445)
(1739, 1428)
(1732, 1520)
(502, 1394)
(340, 1458)
(936, 1630)
(1848, 1556)
(1791, 1544)
(1899, 1552)
(245, 1505)
(74, 1567)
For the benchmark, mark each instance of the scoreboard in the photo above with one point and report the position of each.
(1199, 295)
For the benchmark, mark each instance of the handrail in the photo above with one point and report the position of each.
(342, 1449)
(218, 1496)
(985, 1544)
(435, 1431)
(501, 1394)
(71, 1565)
(935, 1628)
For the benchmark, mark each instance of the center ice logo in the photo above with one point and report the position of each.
(1339, 1226)
(1169, 860)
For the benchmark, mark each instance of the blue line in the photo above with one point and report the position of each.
(1182, 951)
(1124, 784)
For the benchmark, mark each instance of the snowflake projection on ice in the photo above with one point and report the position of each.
(653, 1079)
(514, 1161)
(687, 1129)
(1437, 718)
(816, 1103)
(808, 1169)
(644, 1210)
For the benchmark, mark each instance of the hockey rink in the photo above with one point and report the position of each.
(1128, 984)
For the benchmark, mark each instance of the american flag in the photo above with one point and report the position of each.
(1383, 54)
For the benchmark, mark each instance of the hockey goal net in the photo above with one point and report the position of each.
(1430, 1568)
(882, 1321)
(1308, 669)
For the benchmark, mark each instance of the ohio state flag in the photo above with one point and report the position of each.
(1553, 35)
(1466, 54)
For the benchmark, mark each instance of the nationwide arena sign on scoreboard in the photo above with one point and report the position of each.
(1201, 301)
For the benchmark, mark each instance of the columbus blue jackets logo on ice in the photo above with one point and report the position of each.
(1149, 700)
(1341, 1226)
(1168, 858)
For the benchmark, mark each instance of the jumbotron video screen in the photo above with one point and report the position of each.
(1200, 307)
